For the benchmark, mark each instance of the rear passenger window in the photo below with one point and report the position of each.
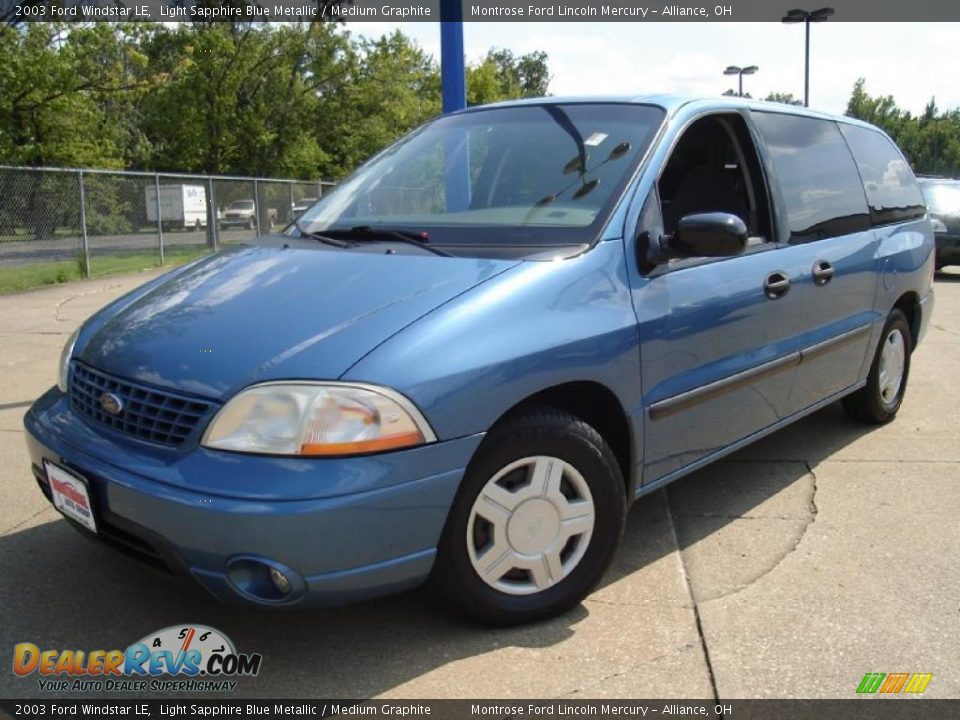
(891, 188)
(818, 177)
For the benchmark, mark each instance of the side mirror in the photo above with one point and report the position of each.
(714, 234)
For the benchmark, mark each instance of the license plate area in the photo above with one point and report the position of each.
(71, 495)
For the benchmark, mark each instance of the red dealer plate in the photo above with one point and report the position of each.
(70, 495)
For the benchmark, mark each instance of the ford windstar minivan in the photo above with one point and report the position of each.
(465, 362)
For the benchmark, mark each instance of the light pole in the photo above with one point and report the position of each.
(740, 71)
(807, 17)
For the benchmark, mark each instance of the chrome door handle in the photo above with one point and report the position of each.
(776, 285)
(822, 272)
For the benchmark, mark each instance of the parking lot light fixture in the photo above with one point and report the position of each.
(740, 72)
(807, 17)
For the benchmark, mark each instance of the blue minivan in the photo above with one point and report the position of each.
(464, 363)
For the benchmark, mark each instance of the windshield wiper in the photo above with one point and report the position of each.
(370, 233)
(318, 236)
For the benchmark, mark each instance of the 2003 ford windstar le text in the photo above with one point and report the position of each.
(466, 361)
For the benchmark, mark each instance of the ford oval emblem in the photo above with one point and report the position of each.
(111, 404)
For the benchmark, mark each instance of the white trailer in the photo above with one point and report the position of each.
(181, 206)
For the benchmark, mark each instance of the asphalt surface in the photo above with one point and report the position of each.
(823, 552)
(28, 252)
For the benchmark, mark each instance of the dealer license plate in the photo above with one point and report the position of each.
(71, 496)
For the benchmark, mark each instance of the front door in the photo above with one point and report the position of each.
(719, 337)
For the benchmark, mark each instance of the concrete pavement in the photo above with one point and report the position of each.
(823, 552)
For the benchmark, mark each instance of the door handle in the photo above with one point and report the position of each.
(822, 272)
(776, 285)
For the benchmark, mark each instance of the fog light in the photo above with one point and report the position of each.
(265, 580)
(280, 581)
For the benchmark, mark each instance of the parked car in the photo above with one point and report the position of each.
(943, 202)
(467, 378)
(183, 207)
(243, 213)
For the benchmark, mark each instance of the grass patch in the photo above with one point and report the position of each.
(24, 277)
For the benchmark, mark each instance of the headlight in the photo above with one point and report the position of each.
(938, 226)
(63, 378)
(317, 419)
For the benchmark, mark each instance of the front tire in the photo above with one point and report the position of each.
(536, 521)
(879, 400)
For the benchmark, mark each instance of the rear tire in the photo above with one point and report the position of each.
(535, 523)
(878, 401)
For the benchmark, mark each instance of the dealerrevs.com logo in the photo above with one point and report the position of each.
(200, 659)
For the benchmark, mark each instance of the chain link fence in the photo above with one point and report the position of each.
(93, 222)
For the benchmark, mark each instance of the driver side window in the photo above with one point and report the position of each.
(714, 168)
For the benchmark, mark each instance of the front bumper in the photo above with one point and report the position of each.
(371, 527)
(236, 222)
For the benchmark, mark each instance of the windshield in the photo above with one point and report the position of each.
(242, 205)
(537, 175)
(942, 198)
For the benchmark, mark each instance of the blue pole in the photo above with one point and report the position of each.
(454, 91)
(452, 70)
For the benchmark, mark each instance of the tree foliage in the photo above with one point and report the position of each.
(785, 98)
(931, 141)
(292, 100)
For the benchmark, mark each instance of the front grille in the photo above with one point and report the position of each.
(147, 413)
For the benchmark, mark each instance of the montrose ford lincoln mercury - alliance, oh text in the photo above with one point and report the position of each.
(466, 361)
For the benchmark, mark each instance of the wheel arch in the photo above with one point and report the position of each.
(598, 406)
(909, 304)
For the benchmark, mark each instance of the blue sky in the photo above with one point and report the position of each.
(911, 61)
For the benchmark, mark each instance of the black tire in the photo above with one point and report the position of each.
(536, 432)
(868, 404)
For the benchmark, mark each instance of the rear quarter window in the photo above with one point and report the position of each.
(892, 190)
(818, 178)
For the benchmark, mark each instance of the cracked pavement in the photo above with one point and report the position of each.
(790, 569)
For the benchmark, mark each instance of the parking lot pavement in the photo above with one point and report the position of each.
(823, 552)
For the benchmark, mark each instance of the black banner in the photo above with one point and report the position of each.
(873, 708)
(351, 11)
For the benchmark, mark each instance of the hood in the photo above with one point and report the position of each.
(254, 314)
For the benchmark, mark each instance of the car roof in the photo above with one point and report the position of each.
(672, 103)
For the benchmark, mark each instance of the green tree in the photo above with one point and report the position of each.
(931, 142)
(288, 99)
(785, 98)
(62, 94)
(228, 98)
(389, 86)
(506, 76)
